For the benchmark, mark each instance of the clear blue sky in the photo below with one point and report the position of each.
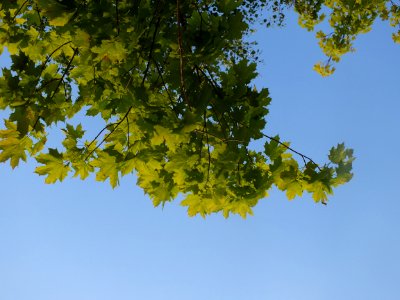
(84, 241)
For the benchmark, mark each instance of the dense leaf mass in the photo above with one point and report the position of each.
(172, 81)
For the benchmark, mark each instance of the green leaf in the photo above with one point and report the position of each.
(107, 168)
(54, 166)
(172, 101)
(12, 146)
(82, 169)
(294, 189)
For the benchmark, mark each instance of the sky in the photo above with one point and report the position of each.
(82, 240)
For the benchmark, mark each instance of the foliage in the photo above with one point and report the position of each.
(172, 81)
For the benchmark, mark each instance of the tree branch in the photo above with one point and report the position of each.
(117, 15)
(128, 133)
(208, 146)
(19, 10)
(51, 54)
(110, 133)
(101, 131)
(181, 63)
(217, 137)
(151, 50)
(65, 73)
(304, 157)
(165, 87)
(46, 84)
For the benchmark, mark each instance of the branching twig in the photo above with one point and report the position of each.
(19, 10)
(208, 146)
(36, 122)
(215, 87)
(101, 131)
(64, 74)
(51, 54)
(165, 87)
(200, 14)
(238, 172)
(130, 108)
(117, 15)
(201, 144)
(197, 68)
(40, 17)
(110, 133)
(217, 137)
(181, 65)
(65, 89)
(52, 80)
(128, 133)
(151, 50)
(210, 81)
(46, 84)
(217, 90)
(304, 157)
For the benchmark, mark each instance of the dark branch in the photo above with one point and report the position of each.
(19, 10)
(165, 87)
(101, 131)
(304, 157)
(110, 133)
(181, 63)
(217, 137)
(36, 122)
(46, 84)
(128, 133)
(40, 17)
(153, 41)
(208, 146)
(117, 15)
(51, 54)
(64, 74)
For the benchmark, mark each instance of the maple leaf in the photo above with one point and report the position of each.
(54, 166)
(181, 112)
(12, 146)
(107, 168)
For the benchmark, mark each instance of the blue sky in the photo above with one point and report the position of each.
(84, 241)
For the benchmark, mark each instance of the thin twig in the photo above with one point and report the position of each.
(117, 15)
(40, 17)
(50, 55)
(201, 145)
(64, 74)
(110, 133)
(128, 133)
(208, 146)
(130, 108)
(200, 14)
(197, 68)
(165, 87)
(46, 84)
(304, 157)
(101, 131)
(217, 137)
(65, 89)
(151, 50)
(19, 10)
(36, 122)
(181, 64)
(215, 87)
(238, 172)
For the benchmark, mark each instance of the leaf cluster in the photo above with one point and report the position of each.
(172, 82)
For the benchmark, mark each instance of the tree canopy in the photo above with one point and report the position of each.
(172, 81)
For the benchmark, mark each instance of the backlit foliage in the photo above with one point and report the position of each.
(172, 81)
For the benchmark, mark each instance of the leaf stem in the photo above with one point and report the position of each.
(304, 157)
(110, 133)
(181, 63)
